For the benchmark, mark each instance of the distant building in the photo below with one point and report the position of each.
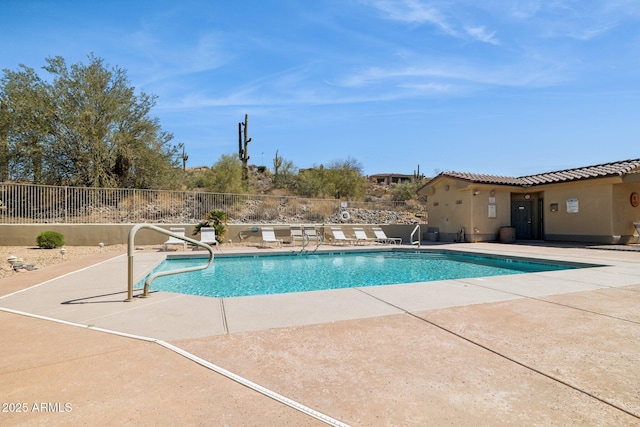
(390, 178)
(596, 204)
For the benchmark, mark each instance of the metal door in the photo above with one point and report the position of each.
(522, 219)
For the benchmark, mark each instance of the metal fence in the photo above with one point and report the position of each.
(42, 204)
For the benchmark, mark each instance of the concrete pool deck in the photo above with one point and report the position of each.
(552, 348)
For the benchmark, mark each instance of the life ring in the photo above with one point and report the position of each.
(345, 216)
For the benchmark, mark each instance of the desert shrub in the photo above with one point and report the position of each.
(267, 209)
(291, 207)
(405, 191)
(131, 205)
(50, 240)
(319, 211)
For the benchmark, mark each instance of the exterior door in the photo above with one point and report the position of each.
(522, 219)
(540, 231)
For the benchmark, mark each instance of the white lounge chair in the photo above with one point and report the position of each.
(381, 237)
(174, 240)
(637, 226)
(269, 236)
(361, 236)
(297, 235)
(339, 238)
(208, 236)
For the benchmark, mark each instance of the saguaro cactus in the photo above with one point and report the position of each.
(277, 163)
(243, 154)
(184, 156)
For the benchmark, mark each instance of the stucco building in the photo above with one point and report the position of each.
(596, 204)
(391, 178)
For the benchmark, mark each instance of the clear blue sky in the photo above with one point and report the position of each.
(498, 87)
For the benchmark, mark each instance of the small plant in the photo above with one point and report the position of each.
(216, 219)
(50, 240)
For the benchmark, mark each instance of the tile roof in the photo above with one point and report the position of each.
(597, 171)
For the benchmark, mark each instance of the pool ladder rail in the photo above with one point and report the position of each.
(306, 241)
(131, 250)
(416, 242)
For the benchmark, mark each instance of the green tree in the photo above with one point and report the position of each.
(87, 127)
(342, 179)
(314, 182)
(227, 175)
(200, 179)
(4, 144)
(24, 125)
(347, 179)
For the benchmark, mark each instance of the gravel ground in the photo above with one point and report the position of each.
(43, 258)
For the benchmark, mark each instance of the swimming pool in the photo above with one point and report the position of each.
(234, 276)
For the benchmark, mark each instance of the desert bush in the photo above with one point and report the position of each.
(50, 240)
(268, 209)
(319, 211)
(405, 191)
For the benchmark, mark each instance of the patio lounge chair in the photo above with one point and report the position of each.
(339, 238)
(637, 226)
(381, 237)
(174, 240)
(361, 236)
(269, 236)
(297, 235)
(208, 236)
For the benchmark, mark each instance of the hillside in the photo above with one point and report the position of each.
(261, 183)
(379, 200)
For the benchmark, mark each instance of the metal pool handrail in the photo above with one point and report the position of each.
(305, 241)
(414, 242)
(130, 251)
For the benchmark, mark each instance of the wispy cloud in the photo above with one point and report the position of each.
(590, 32)
(523, 9)
(430, 88)
(417, 12)
(481, 34)
(582, 21)
(293, 89)
(449, 75)
(167, 59)
(412, 12)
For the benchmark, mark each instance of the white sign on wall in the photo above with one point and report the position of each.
(572, 206)
(492, 211)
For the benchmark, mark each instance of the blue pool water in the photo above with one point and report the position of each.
(273, 274)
